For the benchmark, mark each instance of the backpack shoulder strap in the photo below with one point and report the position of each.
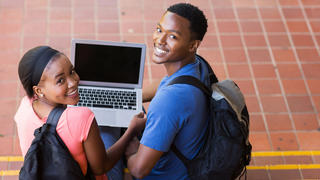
(191, 81)
(179, 154)
(194, 82)
(54, 116)
(204, 64)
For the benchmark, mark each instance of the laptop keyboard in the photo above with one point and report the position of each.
(106, 98)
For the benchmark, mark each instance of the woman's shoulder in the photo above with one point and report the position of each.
(79, 111)
(77, 108)
(78, 120)
(25, 108)
(25, 101)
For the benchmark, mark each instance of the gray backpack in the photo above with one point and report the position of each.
(226, 151)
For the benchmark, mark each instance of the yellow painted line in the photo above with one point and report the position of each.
(10, 158)
(10, 173)
(286, 153)
(285, 166)
(126, 170)
(254, 154)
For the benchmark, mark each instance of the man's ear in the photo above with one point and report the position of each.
(194, 45)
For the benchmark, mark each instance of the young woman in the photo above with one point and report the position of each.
(49, 80)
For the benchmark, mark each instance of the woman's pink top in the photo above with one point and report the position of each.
(73, 128)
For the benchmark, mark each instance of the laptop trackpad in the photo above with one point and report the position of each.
(105, 118)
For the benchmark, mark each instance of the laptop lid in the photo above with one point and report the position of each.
(109, 64)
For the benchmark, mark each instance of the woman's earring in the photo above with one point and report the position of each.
(41, 95)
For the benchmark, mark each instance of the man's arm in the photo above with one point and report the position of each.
(141, 163)
(149, 91)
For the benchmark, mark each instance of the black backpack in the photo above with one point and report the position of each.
(48, 157)
(226, 150)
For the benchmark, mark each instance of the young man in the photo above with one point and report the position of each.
(177, 113)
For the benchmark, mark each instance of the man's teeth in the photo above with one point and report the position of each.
(160, 51)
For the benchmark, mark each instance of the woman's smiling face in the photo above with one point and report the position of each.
(59, 82)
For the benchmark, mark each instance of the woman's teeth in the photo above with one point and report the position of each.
(72, 93)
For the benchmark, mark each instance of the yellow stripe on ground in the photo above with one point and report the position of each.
(126, 170)
(286, 153)
(285, 166)
(10, 173)
(10, 158)
(254, 154)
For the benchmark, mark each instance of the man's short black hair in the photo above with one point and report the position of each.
(198, 21)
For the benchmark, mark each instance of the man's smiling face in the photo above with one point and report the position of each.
(172, 39)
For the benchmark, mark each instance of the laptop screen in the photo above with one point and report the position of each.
(108, 62)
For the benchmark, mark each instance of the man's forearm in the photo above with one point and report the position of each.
(141, 163)
(134, 168)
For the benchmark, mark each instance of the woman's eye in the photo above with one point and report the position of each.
(60, 81)
(158, 30)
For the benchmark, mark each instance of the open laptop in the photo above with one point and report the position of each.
(111, 75)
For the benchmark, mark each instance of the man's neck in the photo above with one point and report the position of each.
(173, 67)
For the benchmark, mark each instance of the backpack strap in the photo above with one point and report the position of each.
(54, 115)
(179, 154)
(191, 81)
(205, 65)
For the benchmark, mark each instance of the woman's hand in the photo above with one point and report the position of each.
(138, 123)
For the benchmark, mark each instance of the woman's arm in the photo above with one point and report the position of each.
(95, 151)
(100, 160)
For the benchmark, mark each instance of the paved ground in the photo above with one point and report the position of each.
(271, 48)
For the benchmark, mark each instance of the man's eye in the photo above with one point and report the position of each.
(173, 37)
(158, 30)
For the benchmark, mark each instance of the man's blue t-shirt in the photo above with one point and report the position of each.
(177, 114)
